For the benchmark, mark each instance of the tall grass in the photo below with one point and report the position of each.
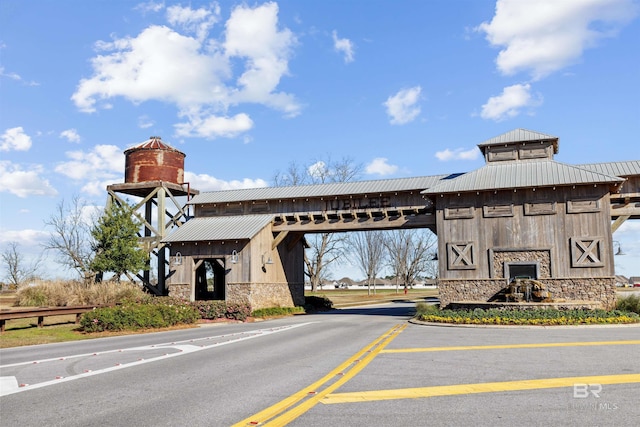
(630, 303)
(70, 293)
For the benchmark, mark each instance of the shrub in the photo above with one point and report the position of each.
(317, 303)
(137, 316)
(277, 311)
(422, 308)
(542, 317)
(630, 303)
(212, 310)
(31, 296)
(238, 312)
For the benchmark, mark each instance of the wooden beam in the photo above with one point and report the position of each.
(360, 224)
(618, 222)
(278, 239)
(631, 209)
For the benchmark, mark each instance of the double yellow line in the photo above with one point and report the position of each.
(300, 402)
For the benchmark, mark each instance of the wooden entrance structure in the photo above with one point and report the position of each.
(522, 211)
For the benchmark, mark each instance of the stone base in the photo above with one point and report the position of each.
(600, 290)
(265, 295)
(256, 295)
(182, 291)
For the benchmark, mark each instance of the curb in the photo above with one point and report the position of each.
(466, 325)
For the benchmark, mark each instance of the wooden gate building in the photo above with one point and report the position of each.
(521, 214)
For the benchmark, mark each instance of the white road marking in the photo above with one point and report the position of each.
(182, 347)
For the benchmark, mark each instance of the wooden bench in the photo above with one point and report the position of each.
(42, 312)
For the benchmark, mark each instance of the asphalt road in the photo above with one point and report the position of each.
(364, 366)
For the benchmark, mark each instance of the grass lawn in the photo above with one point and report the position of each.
(348, 297)
(21, 332)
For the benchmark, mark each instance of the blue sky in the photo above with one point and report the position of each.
(405, 88)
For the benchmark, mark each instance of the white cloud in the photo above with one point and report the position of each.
(195, 73)
(253, 34)
(144, 122)
(12, 76)
(214, 126)
(70, 135)
(509, 103)
(24, 183)
(380, 166)
(16, 77)
(99, 167)
(345, 46)
(139, 71)
(318, 170)
(197, 21)
(544, 36)
(15, 139)
(457, 154)
(402, 107)
(25, 238)
(149, 6)
(205, 182)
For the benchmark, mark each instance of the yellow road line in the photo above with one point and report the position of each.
(450, 390)
(357, 362)
(507, 346)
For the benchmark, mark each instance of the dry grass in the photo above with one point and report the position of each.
(71, 293)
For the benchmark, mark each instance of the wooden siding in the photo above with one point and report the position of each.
(536, 225)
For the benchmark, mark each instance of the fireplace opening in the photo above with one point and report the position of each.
(521, 270)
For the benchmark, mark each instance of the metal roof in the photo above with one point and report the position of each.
(518, 135)
(627, 168)
(510, 175)
(219, 228)
(318, 190)
(153, 143)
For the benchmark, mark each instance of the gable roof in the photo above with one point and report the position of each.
(627, 168)
(520, 135)
(511, 175)
(242, 227)
(318, 190)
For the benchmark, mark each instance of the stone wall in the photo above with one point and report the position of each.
(543, 257)
(264, 295)
(256, 295)
(468, 290)
(601, 289)
(238, 293)
(181, 290)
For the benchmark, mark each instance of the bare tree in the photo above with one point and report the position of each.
(410, 252)
(326, 248)
(397, 244)
(295, 175)
(368, 253)
(18, 270)
(71, 238)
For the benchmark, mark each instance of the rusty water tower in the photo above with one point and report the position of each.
(153, 171)
(153, 160)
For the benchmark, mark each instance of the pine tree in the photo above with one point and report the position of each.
(116, 242)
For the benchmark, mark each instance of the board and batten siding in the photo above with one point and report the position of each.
(563, 221)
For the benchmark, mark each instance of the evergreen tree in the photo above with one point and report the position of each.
(116, 242)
